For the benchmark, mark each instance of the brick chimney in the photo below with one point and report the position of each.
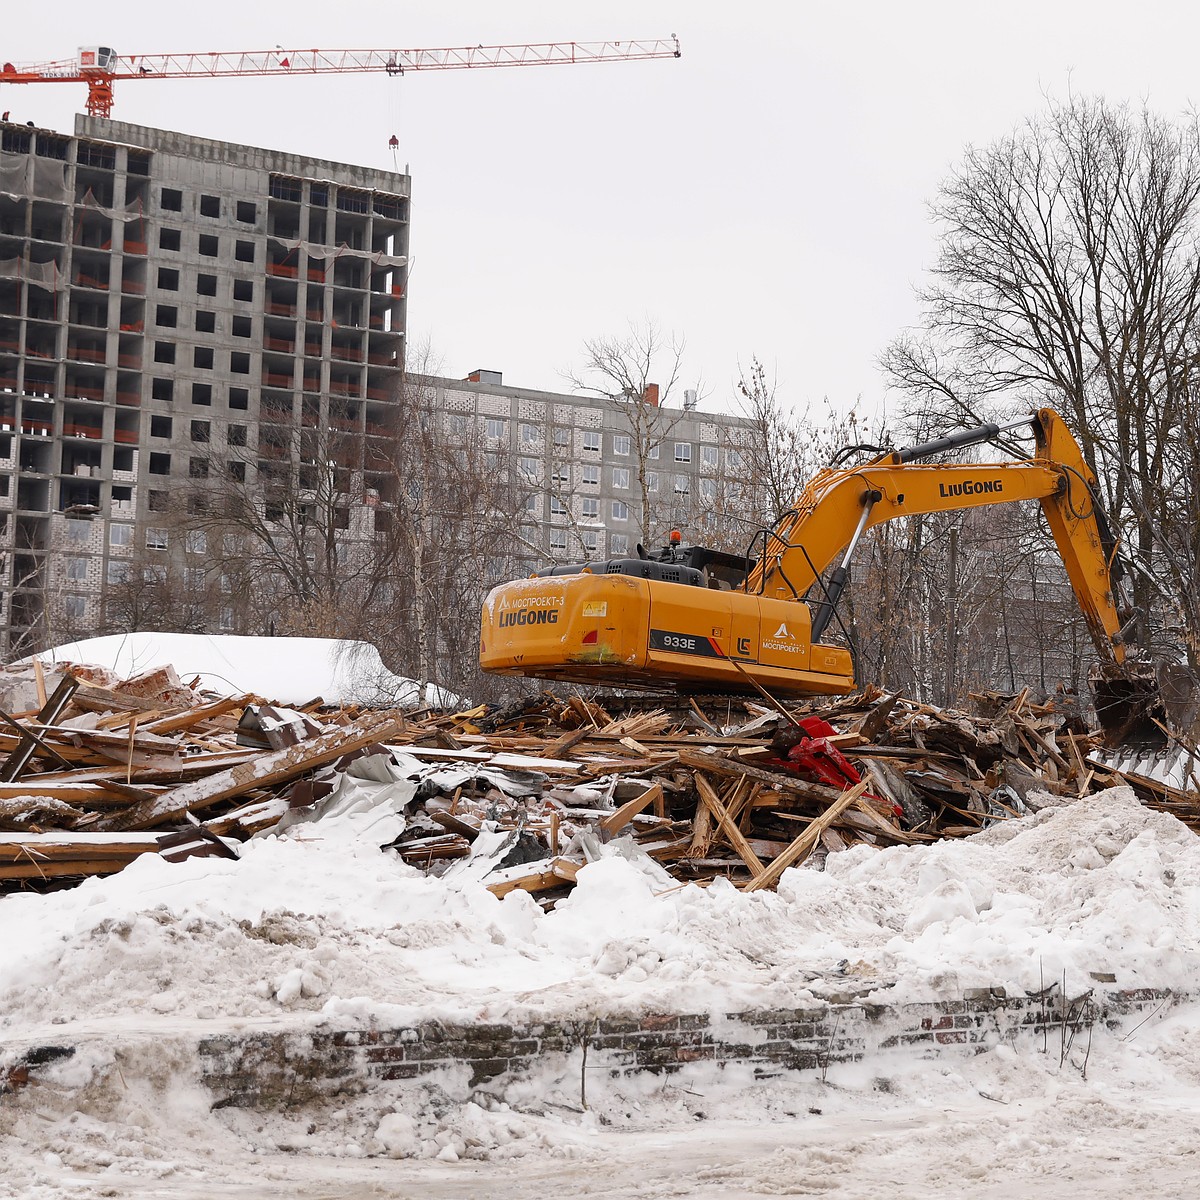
(650, 395)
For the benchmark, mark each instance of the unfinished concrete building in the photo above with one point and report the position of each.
(173, 309)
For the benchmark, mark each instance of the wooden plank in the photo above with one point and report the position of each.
(617, 820)
(261, 771)
(560, 871)
(59, 868)
(194, 716)
(728, 827)
(803, 845)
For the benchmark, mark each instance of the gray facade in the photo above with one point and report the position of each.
(173, 309)
(578, 462)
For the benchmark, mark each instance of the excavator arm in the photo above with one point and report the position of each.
(838, 506)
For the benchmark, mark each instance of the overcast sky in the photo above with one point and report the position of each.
(763, 195)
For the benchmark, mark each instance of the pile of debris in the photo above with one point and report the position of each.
(99, 771)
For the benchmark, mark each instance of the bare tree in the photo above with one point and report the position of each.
(640, 372)
(1069, 275)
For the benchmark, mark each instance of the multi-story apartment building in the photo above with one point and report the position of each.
(180, 315)
(581, 462)
(173, 308)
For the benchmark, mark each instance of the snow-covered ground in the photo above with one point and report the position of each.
(320, 928)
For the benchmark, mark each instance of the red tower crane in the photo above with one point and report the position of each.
(100, 66)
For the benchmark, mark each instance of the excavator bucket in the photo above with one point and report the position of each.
(1141, 706)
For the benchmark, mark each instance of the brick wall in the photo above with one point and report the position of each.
(288, 1068)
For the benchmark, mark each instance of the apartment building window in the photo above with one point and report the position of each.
(206, 322)
(198, 468)
(241, 327)
(160, 427)
(237, 470)
(164, 352)
(244, 252)
(708, 456)
(683, 452)
(195, 541)
(162, 389)
(562, 438)
(531, 468)
(193, 577)
(168, 279)
(618, 543)
(202, 357)
(239, 364)
(166, 315)
(621, 444)
(169, 239)
(558, 540)
(247, 212)
(160, 464)
(158, 499)
(652, 452)
(561, 476)
(733, 460)
(558, 507)
(118, 572)
(77, 568)
(243, 290)
(209, 245)
(79, 532)
(172, 200)
(620, 477)
(708, 489)
(533, 503)
(591, 440)
(202, 394)
(239, 398)
(236, 435)
(682, 485)
(530, 433)
(495, 427)
(200, 431)
(591, 539)
(206, 285)
(75, 607)
(620, 510)
(157, 539)
(120, 535)
(591, 475)
(210, 206)
(591, 508)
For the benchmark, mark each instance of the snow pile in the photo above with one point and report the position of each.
(319, 927)
(291, 670)
(330, 929)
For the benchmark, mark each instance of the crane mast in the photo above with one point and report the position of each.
(99, 67)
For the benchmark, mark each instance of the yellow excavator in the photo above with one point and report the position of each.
(700, 620)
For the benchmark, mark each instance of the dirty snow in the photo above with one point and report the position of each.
(318, 927)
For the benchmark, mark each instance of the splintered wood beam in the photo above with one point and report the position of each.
(263, 770)
(728, 827)
(194, 716)
(617, 820)
(559, 872)
(804, 844)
